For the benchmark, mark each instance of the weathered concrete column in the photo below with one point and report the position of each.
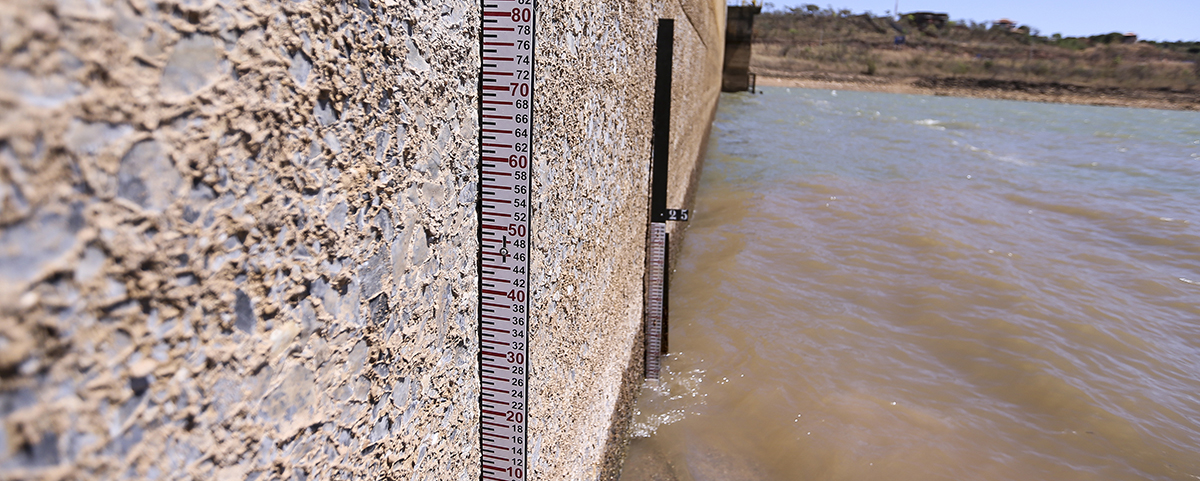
(739, 34)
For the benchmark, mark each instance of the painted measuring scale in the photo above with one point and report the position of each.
(505, 157)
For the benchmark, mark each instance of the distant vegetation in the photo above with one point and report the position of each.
(813, 39)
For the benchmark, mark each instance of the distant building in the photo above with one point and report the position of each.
(1006, 24)
(1129, 37)
(921, 19)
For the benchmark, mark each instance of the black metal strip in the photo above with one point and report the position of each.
(662, 119)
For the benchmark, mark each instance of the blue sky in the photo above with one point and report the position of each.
(1150, 19)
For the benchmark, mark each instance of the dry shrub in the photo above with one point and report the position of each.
(827, 42)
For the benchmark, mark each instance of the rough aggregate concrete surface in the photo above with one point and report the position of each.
(237, 237)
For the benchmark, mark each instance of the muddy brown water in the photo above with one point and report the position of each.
(882, 286)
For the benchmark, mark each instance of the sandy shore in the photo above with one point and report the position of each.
(988, 89)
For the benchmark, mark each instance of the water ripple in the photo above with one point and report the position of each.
(906, 287)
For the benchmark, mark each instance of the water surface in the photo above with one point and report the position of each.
(881, 286)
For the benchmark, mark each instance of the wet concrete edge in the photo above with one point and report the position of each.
(617, 445)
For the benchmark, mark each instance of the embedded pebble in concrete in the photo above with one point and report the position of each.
(337, 216)
(147, 176)
(332, 141)
(323, 112)
(375, 269)
(46, 92)
(300, 68)
(379, 311)
(194, 63)
(246, 321)
(29, 247)
(89, 138)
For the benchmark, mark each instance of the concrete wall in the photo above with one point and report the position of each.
(237, 236)
(739, 38)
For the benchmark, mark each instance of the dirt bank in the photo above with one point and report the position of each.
(988, 89)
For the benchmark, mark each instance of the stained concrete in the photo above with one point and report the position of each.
(739, 36)
(237, 236)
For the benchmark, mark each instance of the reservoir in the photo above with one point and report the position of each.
(882, 286)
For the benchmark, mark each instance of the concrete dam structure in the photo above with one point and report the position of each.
(739, 38)
(238, 237)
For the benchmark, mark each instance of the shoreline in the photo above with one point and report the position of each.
(986, 89)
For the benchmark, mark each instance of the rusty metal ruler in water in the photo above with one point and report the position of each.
(505, 157)
(658, 246)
